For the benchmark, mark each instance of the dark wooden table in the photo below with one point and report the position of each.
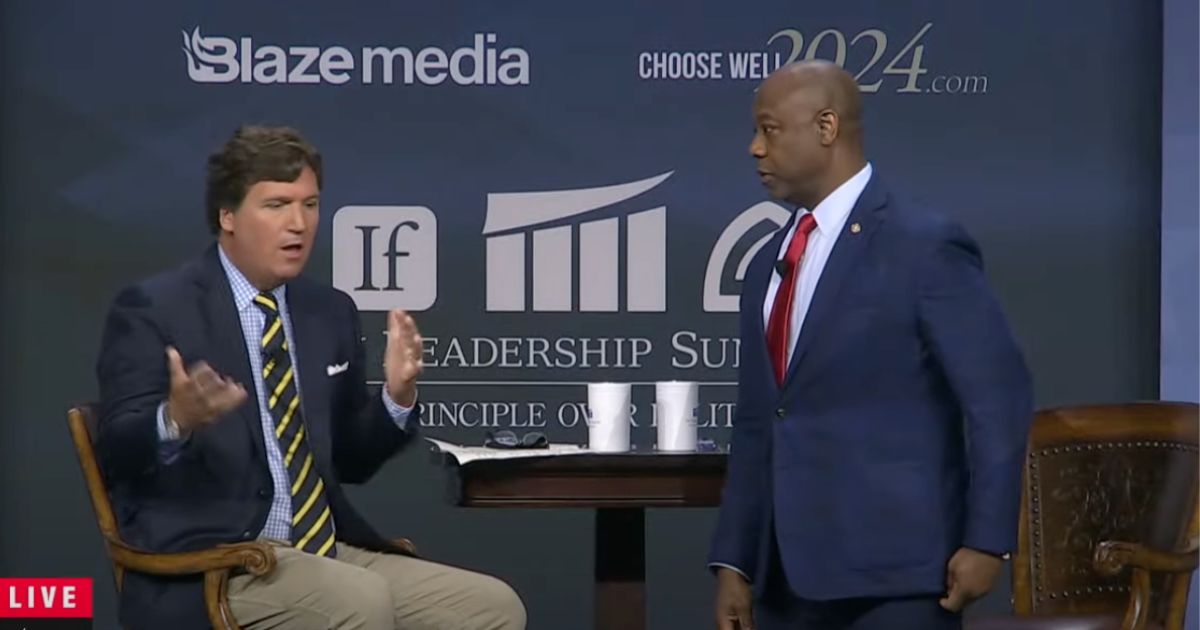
(619, 487)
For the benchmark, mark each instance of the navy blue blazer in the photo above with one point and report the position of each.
(219, 489)
(900, 430)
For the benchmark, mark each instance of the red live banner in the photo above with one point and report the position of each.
(45, 598)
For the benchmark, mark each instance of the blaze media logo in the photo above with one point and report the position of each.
(548, 219)
(214, 59)
(45, 603)
(385, 257)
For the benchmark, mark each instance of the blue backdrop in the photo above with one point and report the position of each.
(1180, 362)
(562, 194)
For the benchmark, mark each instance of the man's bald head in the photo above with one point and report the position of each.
(808, 131)
(814, 86)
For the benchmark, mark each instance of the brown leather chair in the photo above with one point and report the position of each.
(1110, 523)
(215, 564)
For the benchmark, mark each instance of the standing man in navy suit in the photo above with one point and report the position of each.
(234, 405)
(883, 404)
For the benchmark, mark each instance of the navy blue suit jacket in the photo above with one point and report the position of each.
(900, 430)
(219, 489)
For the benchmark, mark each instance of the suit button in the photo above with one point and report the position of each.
(246, 534)
(262, 494)
(780, 413)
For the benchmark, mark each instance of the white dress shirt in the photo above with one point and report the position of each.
(831, 215)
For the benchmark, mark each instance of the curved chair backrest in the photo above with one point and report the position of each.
(82, 422)
(1097, 473)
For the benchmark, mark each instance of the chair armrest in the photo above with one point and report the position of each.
(1112, 557)
(404, 546)
(255, 557)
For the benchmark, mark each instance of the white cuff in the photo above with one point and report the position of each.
(168, 431)
(740, 572)
(398, 412)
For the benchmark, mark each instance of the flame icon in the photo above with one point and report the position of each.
(210, 59)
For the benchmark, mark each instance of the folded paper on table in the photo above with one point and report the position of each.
(467, 454)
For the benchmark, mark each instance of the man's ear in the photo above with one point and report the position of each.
(828, 126)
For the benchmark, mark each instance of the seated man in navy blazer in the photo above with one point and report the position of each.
(883, 405)
(234, 405)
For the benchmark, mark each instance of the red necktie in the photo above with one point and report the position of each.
(778, 333)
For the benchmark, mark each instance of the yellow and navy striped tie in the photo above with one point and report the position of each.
(312, 521)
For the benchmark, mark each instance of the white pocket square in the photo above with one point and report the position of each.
(337, 368)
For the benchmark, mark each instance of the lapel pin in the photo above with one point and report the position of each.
(855, 228)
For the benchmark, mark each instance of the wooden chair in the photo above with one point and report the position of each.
(1110, 524)
(214, 564)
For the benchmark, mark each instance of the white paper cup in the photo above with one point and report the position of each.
(677, 404)
(608, 417)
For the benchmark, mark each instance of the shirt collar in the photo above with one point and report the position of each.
(833, 211)
(243, 290)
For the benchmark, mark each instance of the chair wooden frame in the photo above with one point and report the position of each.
(1155, 424)
(215, 564)
(1113, 557)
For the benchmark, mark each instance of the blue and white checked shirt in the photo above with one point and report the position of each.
(279, 520)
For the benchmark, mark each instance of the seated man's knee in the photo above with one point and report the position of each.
(501, 604)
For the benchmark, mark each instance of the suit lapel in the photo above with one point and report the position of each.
(846, 252)
(228, 351)
(309, 349)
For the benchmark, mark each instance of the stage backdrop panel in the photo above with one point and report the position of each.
(1180, 359)
(561, 193)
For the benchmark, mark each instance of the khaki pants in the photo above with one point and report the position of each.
(363, 590)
